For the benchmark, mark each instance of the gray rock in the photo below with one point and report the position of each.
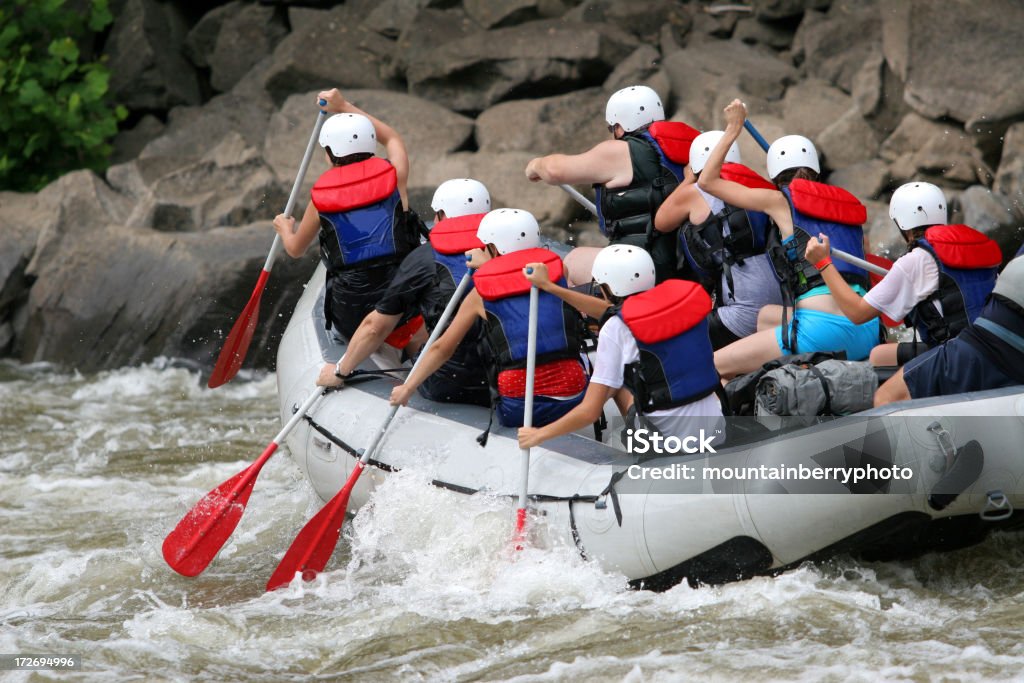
(645, 18)
(786, 9)
(865, 179)
(201, 38)
(148, 69)
(430, 28)
(636, 69)
(883, 237)
(390, 17)
(129, 143)
(503, 174)
(703, 75)
(773, 34)
(474, 72)
(1010, 176)
(835, 45)
(813, 105)
(22, 217)
(848, 141)
(569, 124)
(497, 13)
(998, 216)
(935, 150)
(245, 37)
(333, 50)
(980, 77)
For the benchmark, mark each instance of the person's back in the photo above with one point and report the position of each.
(986, 355)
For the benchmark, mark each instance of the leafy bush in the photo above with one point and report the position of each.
(55, 114)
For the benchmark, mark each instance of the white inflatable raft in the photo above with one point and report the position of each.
(731, 518)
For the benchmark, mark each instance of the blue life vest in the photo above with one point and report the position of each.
(677, 363)
(450, 240)
(968, 265)
(506, 296)
(361, 215)
(820, 208)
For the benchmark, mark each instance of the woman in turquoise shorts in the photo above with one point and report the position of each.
(811, 207)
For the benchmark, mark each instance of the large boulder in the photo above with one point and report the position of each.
(774, 34)
(834, 45)
(148, 69)
(569, 124)
(331, 49)
(390, 17)
(707, 76)
(497, 13)
(22, 216)
(503, 174)
(813, 105)
(539, 58)
(773, 10)
(958, 60)
(849, 140)
(1010, 176)
(645, 19)
(937, 151)
(429, 28)
(865, 179)
(246, 36)
(994, 214)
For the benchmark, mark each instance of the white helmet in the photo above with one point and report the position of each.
(634, 107)
(461, 197)
(345, 134)
(700, 150)
(625, 269)
(792, 151)
(916, 204)
(509, 230)
(1010, 282)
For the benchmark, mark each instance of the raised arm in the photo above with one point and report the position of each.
(386, 135)
(606, 163)
(584, 303)
(771, 202)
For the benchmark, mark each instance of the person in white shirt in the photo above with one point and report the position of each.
(938, 286)
(674, 384)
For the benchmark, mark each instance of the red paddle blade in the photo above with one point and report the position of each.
(519, 540)
(232, 355)
(204, 530)
(313, 547)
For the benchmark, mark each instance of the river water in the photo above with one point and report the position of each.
(95, 470)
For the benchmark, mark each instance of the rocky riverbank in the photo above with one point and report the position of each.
(159, 255)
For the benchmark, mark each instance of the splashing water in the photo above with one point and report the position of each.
(95, 470)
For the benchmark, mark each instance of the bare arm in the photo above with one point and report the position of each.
(850, 303)
(441, 350)
(368, 337)
(676, 208)
(771, 202)
(586, 413)
(584, 303)
(297, 241)
(606, 163)
(386, 135)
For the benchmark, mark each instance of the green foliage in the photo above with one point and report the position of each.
(55, 113)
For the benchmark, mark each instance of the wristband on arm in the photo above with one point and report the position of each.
(823, 264)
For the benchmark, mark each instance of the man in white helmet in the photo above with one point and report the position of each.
(632, 174)
(988, 354)
(674, 383)
(424, 283)
(939, 286)
(723, 246)
(510, 238)
(359, 211)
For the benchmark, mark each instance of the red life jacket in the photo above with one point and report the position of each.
(505, 293)
(677, 363)
(451, 239)
(968, 265)
(361, 215)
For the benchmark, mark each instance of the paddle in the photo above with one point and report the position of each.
(839, 254)
(237, 343)
(574, 193)
(201, 533)
(531, 371)
(313, 547)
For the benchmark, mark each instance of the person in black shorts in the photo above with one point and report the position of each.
(417, 289)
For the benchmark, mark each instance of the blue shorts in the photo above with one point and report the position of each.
(545, 409)
(819, 331)
(952, 368)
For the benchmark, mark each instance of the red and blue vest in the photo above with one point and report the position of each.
(968, 265)
(450, 240)
(677, 363)
(361, 215)
(506, 296)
